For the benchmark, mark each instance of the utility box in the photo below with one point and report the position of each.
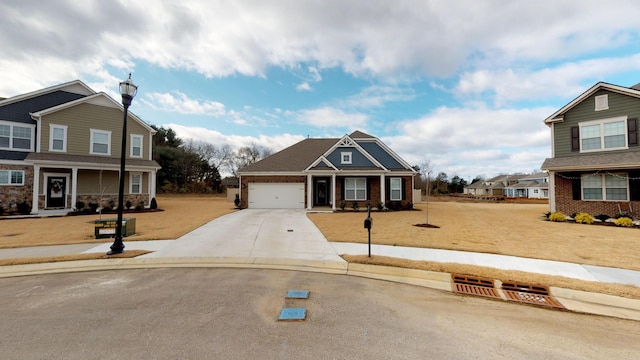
(107, 228)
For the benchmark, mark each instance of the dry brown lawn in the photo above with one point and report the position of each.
(497, 228)
(500, 228)
(180, 215)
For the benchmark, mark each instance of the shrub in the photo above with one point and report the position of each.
(93, 206)
(583, 218)
(140, 205)
(128, 204)
(573, 216)
(624, 221)
(603, 217)
(343, 204)
(1, 210)
(354, 206)
(24, 208)
(546, 215)
(380, 206)
(558, 217)
(112, 204)
(79, 205)
(154, 204)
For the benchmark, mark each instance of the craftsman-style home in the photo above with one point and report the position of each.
(356, 169)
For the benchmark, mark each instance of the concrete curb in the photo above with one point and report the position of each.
(572, 300)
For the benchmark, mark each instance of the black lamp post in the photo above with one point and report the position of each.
(128, 91)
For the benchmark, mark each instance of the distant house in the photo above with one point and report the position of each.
(61, 145)
(492, 187)
(326, 172)
(595, 158)
(535, 186)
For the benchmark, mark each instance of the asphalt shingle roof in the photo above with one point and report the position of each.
(621, 160)
(296, 157)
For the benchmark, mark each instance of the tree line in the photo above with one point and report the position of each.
(194, 166)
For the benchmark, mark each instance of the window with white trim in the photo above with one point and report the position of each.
(11, 177)
(345, 157)
(608, 134)
(607, 187)
(602, 102)
(355, 189)
(395, 185)
(57, 138)
(16, 137)
(100, 142)
(136, 146)
(135, 183)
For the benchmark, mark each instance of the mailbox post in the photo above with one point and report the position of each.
(368, 223)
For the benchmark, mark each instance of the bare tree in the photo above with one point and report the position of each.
(248, 155)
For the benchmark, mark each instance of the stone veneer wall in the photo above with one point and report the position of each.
(11, 195)
(566, 205)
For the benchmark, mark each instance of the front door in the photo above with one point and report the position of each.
(56, 192)
(322, 193)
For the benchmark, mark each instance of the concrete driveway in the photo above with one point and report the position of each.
(254, 233)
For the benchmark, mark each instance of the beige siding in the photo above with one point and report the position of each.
(84, 117)
(619, 105)
(97, 182)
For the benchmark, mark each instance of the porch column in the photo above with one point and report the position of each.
(309, 192)
(333, 192)
(152, 185)
(36, 189)
(552, 191)
(74, 187)
(383, 189)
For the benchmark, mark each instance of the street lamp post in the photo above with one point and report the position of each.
(128, 90)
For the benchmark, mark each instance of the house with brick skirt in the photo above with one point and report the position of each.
(61, 145)
(325, 172)
(595, 158)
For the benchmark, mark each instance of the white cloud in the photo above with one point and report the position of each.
(332, 117)
(181, 103)
(560, 81)
(379, 95)
(303, 87)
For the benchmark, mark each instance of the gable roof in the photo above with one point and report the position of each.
(100, 98)
(74, 87)
(558, 115)
(314, 154)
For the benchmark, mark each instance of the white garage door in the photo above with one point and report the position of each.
(276, 195)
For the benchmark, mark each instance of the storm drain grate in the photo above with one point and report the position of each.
(292, 314)
(530, 294)
(472, 285)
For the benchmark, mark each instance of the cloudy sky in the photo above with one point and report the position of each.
(462, 84)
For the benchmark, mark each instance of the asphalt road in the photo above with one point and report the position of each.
(232, 314)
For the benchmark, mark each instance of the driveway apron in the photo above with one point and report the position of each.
(254, 233)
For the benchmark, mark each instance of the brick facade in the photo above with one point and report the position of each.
(566, 205)
(12, 195)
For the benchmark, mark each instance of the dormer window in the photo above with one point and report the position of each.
(602, 102)
(345, 158)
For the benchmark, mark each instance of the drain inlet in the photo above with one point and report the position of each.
(472, 285)
(530, 294)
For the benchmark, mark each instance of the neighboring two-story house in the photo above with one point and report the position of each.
(595, 157)
(61, 145)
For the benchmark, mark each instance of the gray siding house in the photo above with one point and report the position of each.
(357, 168)
(61, 145)
(595, 158)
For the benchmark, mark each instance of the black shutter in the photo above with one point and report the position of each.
(368, 189)
(632, 131)
(404, 188)
(576, 189)
(634, 186)
(387, 190)
(342, 190)
(575, 138)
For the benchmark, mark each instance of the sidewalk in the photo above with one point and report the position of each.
(287, 239)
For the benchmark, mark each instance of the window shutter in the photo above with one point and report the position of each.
(576, 189)
(368, 188)
(342, 190)
(575, 138)
(387, 191)
(632, 131)
(404, 189)
(634, 186)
